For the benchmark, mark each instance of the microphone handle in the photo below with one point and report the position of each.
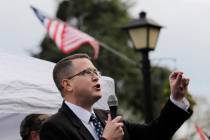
(113, 111)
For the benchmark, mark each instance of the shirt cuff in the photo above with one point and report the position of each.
(183, 104)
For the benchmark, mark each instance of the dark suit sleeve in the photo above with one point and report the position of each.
(163, 128)
(50, 131)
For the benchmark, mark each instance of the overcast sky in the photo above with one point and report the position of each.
(184, 43)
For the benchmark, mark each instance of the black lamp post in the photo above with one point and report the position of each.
(144, 34)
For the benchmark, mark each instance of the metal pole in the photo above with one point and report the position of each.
(147, 86)
(117, 53)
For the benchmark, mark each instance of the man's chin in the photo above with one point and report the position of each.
(98, 97)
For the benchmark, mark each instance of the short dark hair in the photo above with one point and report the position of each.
(64, 68)
(31, 122)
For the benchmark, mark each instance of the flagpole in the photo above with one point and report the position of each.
(122, 56)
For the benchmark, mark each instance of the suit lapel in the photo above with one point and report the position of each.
(76, 122)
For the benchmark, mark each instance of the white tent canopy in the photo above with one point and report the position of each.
(26, 86)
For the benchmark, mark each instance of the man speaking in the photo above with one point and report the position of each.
(78, 82)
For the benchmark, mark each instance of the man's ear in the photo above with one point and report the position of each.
(67, 85)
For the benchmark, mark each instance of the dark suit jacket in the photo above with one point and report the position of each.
(65, 125)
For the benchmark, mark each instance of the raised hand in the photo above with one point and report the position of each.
(178, 85)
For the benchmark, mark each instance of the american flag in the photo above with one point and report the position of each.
(201, 133)
(67, 38)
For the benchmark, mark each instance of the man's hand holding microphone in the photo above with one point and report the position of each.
(114, 125)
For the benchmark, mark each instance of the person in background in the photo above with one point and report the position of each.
(31, 125)
(78, 81)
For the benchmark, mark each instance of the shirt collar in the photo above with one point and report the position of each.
(80, 112)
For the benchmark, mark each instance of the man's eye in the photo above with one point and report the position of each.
(83, 72)
(95, 71)
(88, 72)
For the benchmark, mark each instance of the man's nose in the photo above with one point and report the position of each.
(95, 77)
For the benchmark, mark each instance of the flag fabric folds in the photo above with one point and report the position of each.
(201, 133)
(67, 38)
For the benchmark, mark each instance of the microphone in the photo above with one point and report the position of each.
(112, 103)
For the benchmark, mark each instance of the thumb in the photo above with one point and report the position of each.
(109, 118)
(179, 79)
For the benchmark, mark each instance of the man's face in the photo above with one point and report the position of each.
(34, 135)
(85, 86)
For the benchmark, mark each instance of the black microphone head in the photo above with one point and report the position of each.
(112, 101)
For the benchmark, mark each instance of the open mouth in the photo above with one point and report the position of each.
(97, 86)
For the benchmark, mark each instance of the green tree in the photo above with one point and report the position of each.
(103, 20)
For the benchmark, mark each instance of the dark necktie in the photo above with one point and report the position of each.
(97, 125)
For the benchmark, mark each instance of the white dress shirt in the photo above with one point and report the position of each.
(183, 103)
(84, 116)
